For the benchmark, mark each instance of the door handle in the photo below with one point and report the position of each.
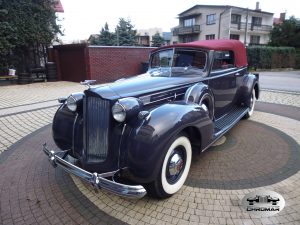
(237, 74)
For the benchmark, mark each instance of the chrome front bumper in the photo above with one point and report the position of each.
(97, 180)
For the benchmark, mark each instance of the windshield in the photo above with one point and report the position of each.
(177, 62)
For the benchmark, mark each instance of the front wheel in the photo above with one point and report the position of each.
(251, 105)
(174, 169)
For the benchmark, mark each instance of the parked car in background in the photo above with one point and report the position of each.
(136, 135)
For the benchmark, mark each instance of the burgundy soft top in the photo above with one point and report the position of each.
(219, 45)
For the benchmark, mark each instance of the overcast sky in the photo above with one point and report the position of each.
(82, 18)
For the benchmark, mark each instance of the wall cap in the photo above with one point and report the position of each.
(134, 47)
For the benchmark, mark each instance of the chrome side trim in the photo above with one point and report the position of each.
(73, 133)
(97, 180)
(225, 74)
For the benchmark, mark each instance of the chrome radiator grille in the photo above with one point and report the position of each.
(97, 114)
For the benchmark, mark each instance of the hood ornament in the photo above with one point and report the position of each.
(88, 83)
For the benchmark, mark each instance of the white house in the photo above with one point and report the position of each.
(204, 22)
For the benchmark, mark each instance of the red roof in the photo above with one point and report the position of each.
(219, 45)
(277, 21)
(58, 6)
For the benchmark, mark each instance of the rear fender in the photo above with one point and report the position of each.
(250, 82)
(148, 142)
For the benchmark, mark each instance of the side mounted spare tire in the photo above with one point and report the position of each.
(200, 94)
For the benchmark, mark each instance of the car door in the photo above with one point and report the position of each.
(223, 81)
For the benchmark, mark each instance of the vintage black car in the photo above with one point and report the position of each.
(136, 135)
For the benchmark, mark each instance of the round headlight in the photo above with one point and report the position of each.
(71, 103)
(119, 112)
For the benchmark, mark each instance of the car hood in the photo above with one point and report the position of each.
(140, 85)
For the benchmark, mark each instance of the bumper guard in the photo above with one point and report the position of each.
(96, 180)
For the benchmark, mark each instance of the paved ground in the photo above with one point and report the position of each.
(283, 80)
(26, 108)
(32, 192)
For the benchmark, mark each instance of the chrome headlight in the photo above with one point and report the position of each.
(126, 108)
(119, 112)
(73, 101)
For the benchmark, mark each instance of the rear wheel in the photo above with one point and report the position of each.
(174, 169)
(251, 105)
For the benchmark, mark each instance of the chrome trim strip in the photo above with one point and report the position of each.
(225, 74)
(150, 102)
(172, 89)
(73, 133)
(120, 144)
(97, 180)
(170, 97)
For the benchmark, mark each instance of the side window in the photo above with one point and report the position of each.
(162, 59)
(190, 58)
(223, 60)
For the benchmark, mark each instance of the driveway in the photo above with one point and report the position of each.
(260, 153)
(283, 81)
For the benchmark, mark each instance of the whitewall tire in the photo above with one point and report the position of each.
(251, 105)
(175, 168)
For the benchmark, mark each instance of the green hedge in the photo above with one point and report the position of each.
(265, 57)
(297, 61)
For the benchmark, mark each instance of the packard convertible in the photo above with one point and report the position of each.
(136, 135)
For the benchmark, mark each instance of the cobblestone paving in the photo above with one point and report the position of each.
(26, 108)
(17, 95)
(285, 98)
(194, 205)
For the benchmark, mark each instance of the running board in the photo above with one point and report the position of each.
(223, 124)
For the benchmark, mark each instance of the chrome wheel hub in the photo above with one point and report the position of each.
(175, 165)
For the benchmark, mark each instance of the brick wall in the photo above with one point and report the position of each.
(70, 60)
(107, 64)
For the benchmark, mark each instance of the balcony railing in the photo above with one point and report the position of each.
(195, 29)
(251, 27)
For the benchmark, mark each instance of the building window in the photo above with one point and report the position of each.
(211, 19)
(210, 37)
(235, 18)
(186, 39)
(189, 22)
(254, 39)
(256, 21)
(234, 36)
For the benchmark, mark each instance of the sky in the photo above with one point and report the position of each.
(82, 18)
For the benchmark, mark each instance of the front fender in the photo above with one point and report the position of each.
(250, 81)
(148, 142)
(194, 93)
(67, 130)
